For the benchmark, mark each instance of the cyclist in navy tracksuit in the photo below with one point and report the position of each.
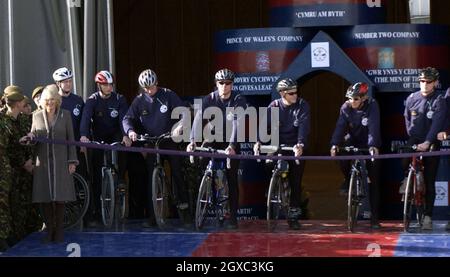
(445, 135)
(294, 126)
(102, 121)
(425, 116)
(63, 78)
(224, 97)
(150, 113)
(359, 125)
(71, 102)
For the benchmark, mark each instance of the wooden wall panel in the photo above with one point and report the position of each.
(169, 50)
(197, 44)
(175, 38)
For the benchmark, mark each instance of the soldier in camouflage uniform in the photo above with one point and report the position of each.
(5, 184)
(24, 215)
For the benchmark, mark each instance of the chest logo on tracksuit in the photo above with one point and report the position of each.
(114, 113)
(163, 109)
(365, 121)
(414, 113)
(296, 121)
(76, 111)
(430, 114)
(230, 116)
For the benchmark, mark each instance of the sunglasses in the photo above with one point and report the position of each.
(355, 99)
(426, 81)
(291, 93)
(224, 83)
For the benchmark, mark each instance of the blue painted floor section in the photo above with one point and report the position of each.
(108, 244)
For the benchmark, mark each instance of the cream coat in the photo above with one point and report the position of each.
(51, 178)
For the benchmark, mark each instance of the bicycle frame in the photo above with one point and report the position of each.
(159, 188)
(112, 197)
(414, 193)
(279, 192)
(212, 196)
(357, 185)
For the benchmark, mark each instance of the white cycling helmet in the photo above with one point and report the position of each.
(147, 78)
(62, 74)
(224, 74)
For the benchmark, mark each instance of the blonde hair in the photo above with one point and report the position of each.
(50, 91)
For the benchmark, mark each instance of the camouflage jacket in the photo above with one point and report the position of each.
(5, 133)
(17, 153)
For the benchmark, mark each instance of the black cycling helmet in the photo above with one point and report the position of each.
(429, 73)
(224, 74)
(286, 84)
(359, 89)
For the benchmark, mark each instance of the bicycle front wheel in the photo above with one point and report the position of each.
(274, 200)
(159, 195)
(75, 211)
(408, 201)
(204, 201)
(352, 203)
(107, 200)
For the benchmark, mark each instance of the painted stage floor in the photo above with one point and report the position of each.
(252, 239)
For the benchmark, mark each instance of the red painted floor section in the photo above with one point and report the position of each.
(315, 239)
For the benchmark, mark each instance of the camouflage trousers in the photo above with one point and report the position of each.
(5, 212)
(24, 214)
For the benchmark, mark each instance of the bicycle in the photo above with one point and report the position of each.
(160, 195)
(414, 196)
(357, 185)
(213, 191)
(279, 193)
(113, 194)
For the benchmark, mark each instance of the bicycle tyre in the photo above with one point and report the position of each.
(204, 200)
(75, 211)
(274, 200)
(159, 195)
(408, 201)
(107, 198)
(121, 203)
(352, 203)
(222, 203)
(419, 203)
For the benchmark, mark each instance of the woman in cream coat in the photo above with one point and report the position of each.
(54, 163)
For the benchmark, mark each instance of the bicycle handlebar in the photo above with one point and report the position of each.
(210, 150)
(406, 147)
(148, 138)
(354, 149)
(276, 149)
(103, 143)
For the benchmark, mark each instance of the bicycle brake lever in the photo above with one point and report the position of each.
(257, 154)
(191, 159)
(228, 163)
